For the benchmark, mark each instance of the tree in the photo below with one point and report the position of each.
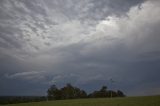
(83, 94)
(68, 91)
(71, 92)
(54, 93)
(120, 93)
(103, 91)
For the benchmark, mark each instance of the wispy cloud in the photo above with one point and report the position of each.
(30, 75)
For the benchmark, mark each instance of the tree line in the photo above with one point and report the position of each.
(72, 92)
(66, 92)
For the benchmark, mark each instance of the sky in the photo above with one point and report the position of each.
(83, 42)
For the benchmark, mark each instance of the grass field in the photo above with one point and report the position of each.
(127, 101)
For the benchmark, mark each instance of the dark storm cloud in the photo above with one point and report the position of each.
(103, 8)
(84, 42)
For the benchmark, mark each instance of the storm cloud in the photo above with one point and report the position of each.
(85, 43)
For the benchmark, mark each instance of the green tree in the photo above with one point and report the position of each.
(54, 93)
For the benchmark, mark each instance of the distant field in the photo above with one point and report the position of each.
(127, 101)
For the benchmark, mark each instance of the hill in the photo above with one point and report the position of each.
(126, 101)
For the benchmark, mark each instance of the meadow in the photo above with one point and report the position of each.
(126, 101)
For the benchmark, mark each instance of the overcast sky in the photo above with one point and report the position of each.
(82, 42)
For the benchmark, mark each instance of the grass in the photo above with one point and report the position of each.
(127, 101)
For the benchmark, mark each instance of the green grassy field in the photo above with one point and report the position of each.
(127, 101)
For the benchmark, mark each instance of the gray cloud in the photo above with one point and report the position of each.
(82, 42)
